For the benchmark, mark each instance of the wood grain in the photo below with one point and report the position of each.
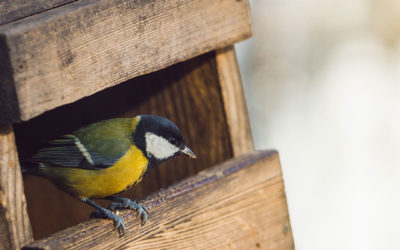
(234, 101)
(15, 228)
(237, 205)
(9, 108)
(187, 93)
(66, 53)
(11, 10)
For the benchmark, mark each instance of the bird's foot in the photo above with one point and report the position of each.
(107, 214)
(125, 203)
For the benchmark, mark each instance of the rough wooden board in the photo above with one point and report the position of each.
(234, 101)
(187, 93)
(15, 228)
(66, 53)
(9, 107)
(239, 204)
(11, 10)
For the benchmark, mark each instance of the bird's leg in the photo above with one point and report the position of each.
(107, 214)
(125, 203)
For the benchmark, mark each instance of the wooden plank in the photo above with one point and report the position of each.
(66, 53)
(187, 93)
(9, 108)
(11, 10)
(15, 228)
(239, 204)
(234, 101)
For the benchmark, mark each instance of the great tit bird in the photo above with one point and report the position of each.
(107, 157)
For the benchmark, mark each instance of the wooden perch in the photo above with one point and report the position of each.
(63, 54)
(239, 204)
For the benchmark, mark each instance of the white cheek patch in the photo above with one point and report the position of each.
(159, 147)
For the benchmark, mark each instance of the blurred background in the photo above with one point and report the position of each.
(322, 83)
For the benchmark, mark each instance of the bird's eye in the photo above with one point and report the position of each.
(172, 140)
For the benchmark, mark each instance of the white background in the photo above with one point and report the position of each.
(322, 83)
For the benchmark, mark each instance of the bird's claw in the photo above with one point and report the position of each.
(118, 221)
(119, 224)
(125, 203)
(142, 211)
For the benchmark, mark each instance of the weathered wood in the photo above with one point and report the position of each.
(234, 101)
(187, 93)
(69, 52)
(15, 228)
(11, 10)
(9, 108)
(239, 204)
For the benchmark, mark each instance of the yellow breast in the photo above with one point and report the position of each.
(125, 172)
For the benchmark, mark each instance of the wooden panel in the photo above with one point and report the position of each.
(9, 109)
(11, 10)
(15, 230)
(66, 53)
(187, 93)
(234, 101)
(237, 205)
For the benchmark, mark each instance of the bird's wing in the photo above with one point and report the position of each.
(69, 151)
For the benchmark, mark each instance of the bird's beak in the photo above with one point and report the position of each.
(188, 152)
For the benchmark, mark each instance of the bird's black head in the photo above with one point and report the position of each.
(159, 138)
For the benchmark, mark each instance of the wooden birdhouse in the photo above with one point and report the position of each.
(65, 64)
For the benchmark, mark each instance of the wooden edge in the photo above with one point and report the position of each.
(237, 204)
(9, 107)
(66, 53)
(15, 229)
(234, 101)
(12, 10)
